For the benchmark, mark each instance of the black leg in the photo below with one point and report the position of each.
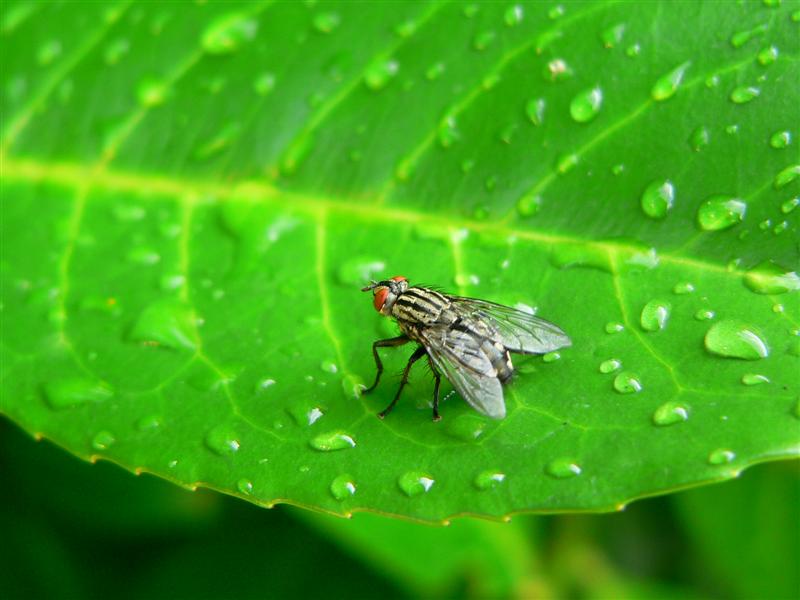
(418, 353)
(396, 341)
(438, 380)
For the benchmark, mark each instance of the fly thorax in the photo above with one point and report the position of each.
(420, 306)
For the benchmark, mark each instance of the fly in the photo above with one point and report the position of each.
(469, 341)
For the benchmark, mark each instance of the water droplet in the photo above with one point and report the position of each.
(721, 456)
(490, 183)
(75, 391)
(245, 486)
(470, 10)
(770, 278)
(380, 72)
(434, 71)
(744, 94)
(720, 212)
(48, 52)
(115, 51)
(491, 80)
(149, 422)
(343, 487)
(658, 198)
(627, 383)
(670, 413)
(754, 379)
(328, 366)
(586, 104)
(306, 414)
(565, 162)
(352, 385)
(223, 440)
(556, 12)
(534, 109)
(563, 468)
(333, 440)
(786, 176)
(151, 92)
(326, 22)
(414, 483)
(768, 55)
(790, 205)
(466, 427)
(167, 322)
(103, 440)
(566, 256)
(612, 36)
(699, 138)
(448, 132)
(683, 288)
(529, 204)
(654, 315)
(228, 33)
(558, 70)
(780, 139)
(483, 40)
(610, 365)
(666, 86)
(487, 480)
(507, 133)
(614, 327)
(513, 15)
(740, 38)
(264, 84)
(618, 169)
(633, 50)
(734, 339)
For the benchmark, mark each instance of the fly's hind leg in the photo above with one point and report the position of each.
(437, 381)
(395, 341)
(418, 353)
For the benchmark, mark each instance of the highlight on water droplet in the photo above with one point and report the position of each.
(566, 161)
(167, 322)
(744, 94)
(414, 483)
(563, 468)
(704, 314)
(513, 15)
(447, 132)
(610, 365)
(223, 440)
(666, 86)
(227, 33)
(586, 104)
(558, 70)
(655, 315)
(780, 139)
(76, 391)
(306, 413)
(627, 383)
(245, 486)
(720, 212)
(790, 205)
(103, 440)
(721, 456)
(699, 138)
(754, 379)
(682, 288)
(735, 339)
(658, 198)
(614, 327)
(343, 487)
(770, 278)
(380, 72)
(333, 440)
(670, 413)
(489, 479)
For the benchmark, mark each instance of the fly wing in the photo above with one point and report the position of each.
(458, 356)
(516, 330)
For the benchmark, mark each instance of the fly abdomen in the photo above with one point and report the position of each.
(500, 359)
(419, 305)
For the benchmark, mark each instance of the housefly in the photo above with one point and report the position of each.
(469, 341)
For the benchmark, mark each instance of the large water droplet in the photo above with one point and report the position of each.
(414, 483)
(610, 365)
(720, 212)
(770, 278)
(466, 427)
(563, 468)
(744, 94)
(627, 383)
(670, 413)
(223, 440)
(103, 440)
(75, 391)
(380, 72)
(666, 86)
(333, 440)
(658, 198)
(654, 315)
(721, 456)
(343, 487)
(227, 33)
(586, 104)
(486, 480)
(734, 339)
(767, 56)
(167, 322)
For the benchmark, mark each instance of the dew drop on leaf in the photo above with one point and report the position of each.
(614, 327)
(228, 33)
(670, 413)
(75, 391)
(735, 339)
(768, 55)
(786, 176)
(658, 198)
(151, 92)
(115, 51)
(245, 486)
(513, 15)
(654, 315)
(487, 480)
(414, 483)
(143, 256)
(149, 422)
(333, 440)
(447, 132)
(222, 440)
(699, 138)
(329, 366)
(666, 86)
(434, 71)
(770, 278)
(556, 12)
(790, 205)
(721, 456)
(563, 468)
(720, 212)
(103, 440)
(586, 104)
(551, 357)
(744, 94)
(740, 38)
(529, 204)
(566, 162)
(534, 109)
(610, 365)
(627, 383)
(683, 288)
(466, 427)
(483, 40)
(48, 52)
(565, 256)
(326, 22)
(780, 139)
(166, 322)
(380, 72)
(612, 36)
(343, 487)
(264, 83)
(305, 413)
(352, 385)
(754, 379)
(558, 70)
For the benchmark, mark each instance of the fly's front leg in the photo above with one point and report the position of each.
(418, 353)
(395, 341)
(437, 382)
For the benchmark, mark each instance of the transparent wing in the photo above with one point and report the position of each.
(516, 330)
(459, 357)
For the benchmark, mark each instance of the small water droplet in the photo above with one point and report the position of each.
(740, 38)
(551, 357)
(683, 288)
(734, 339)
(490, 183)
(414, 483)
(507, 133)
(151, 92)
(534, 109)
(666, 86)
(627, 383)
(768, 55)
(343, 487)
(586, 104)
(329, 366)
(245, 486)
(76, 391)
(143, 256)
(770, 278)
(115, 51)
(780, 139)
(487, 480)
(721, 456)
(513, 15)
(470, 10)
(556, 12)
(612, 36)
(720, 212)
(633, 50)
(670, 413)
(306, 414)
(359, 270)
(563, 468)
(790, 205)
(223, 440)
(228, 33)
(326, 22)
(167, 322)
(658, 198)
(380, 72)
(744, 94)
(48, 52)
(466, 427)
(333, 440)
(786, 176)
(610, 365)
(754, 379)
(447, 131)
(103, 440)
(655, 315)
(434, 71)
(483, 40)
(699, 138)
(405, 29)
(566, 162)
(558, 70)
(614, 327)
(529, 204)
(264, 84)
(149, 422)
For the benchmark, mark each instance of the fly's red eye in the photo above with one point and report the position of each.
(380, 298)
(399, 278)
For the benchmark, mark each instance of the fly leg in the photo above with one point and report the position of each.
(437, 381)
(395, 341)
(418, 353)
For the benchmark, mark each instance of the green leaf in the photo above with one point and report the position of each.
(193, 195)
